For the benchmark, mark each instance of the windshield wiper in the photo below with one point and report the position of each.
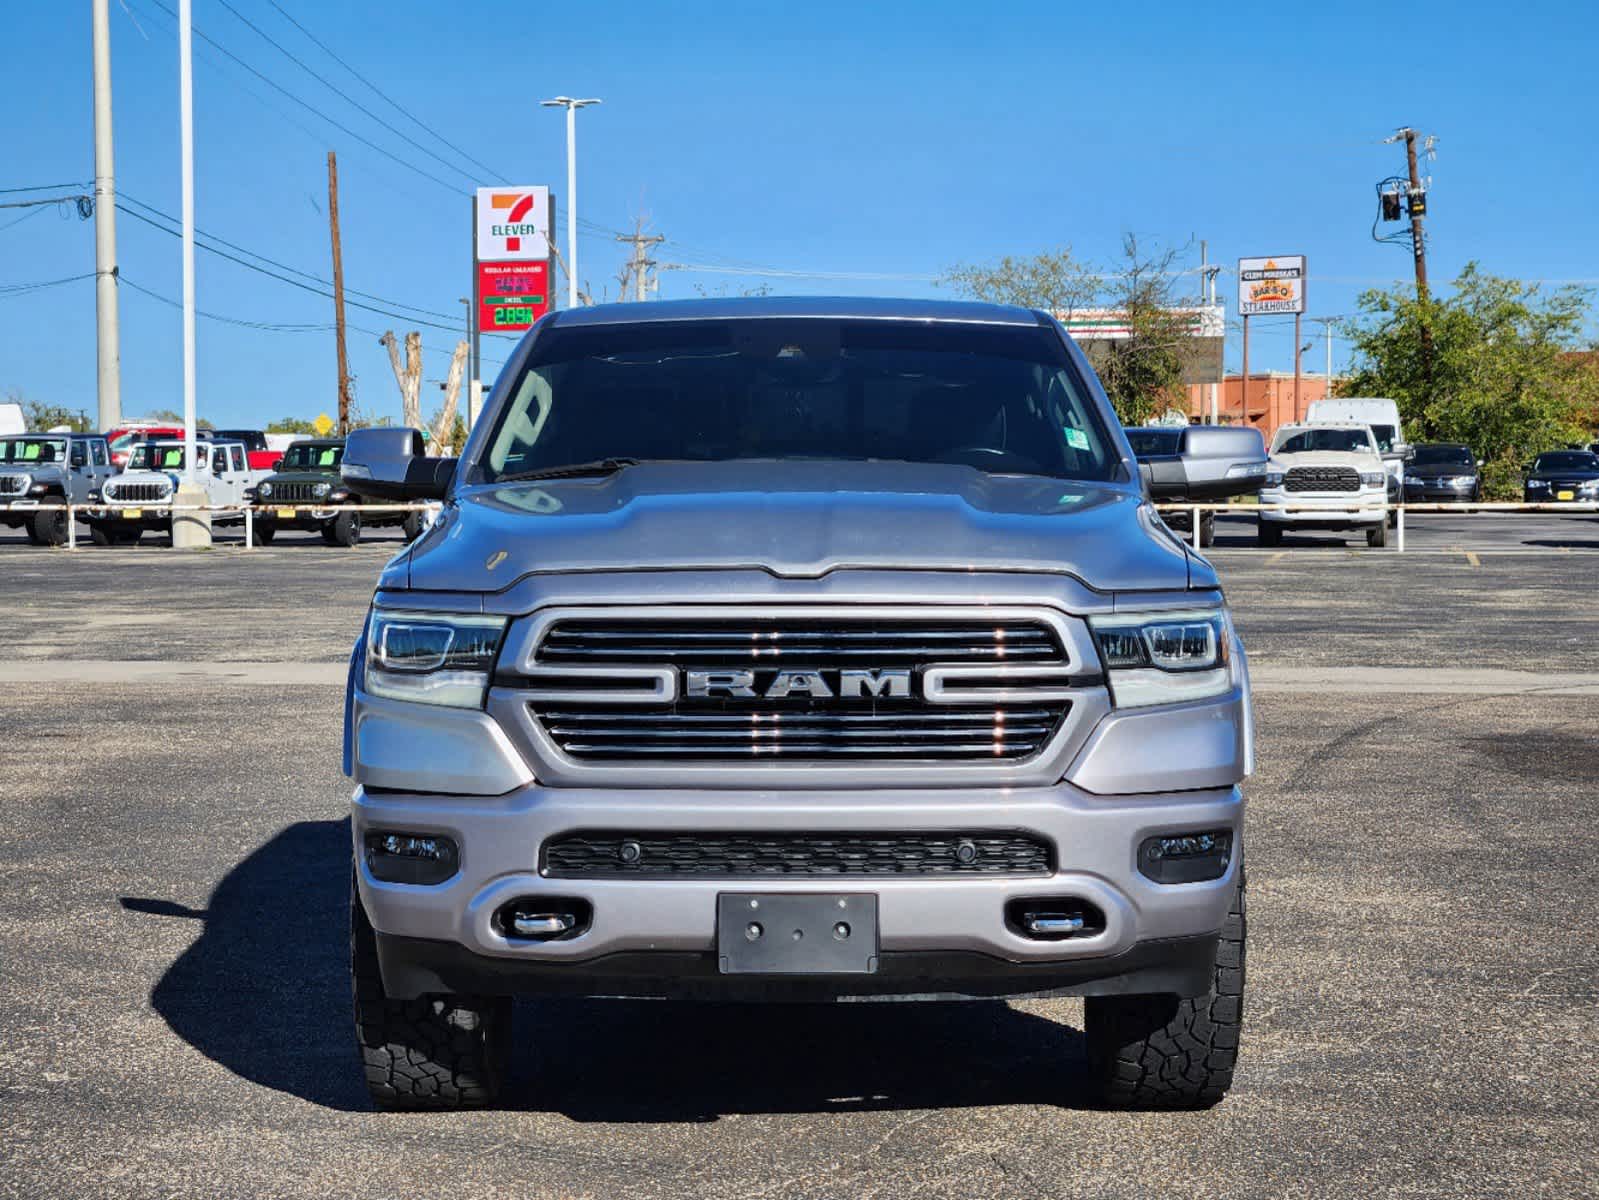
(599, 466)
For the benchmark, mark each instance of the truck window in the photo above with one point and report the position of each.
(97, 450)
(238, 458)
(1001, 399)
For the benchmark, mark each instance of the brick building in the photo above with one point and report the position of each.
(1270, 399)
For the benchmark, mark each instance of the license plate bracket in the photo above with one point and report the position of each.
(764, 933)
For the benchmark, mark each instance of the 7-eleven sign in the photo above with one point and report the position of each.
(513, 224)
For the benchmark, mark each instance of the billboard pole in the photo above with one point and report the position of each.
(1243, 393)
(1298, 352)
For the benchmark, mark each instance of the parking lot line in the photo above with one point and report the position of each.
(1471, 557)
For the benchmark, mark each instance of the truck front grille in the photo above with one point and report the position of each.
(121, 492)
(293, 493)
(914, 731)
(993, 718)
(1321, 479)
(600, 855)
(815, 643)
(13, 485)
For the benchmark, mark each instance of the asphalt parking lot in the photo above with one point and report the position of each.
(1422, 1016)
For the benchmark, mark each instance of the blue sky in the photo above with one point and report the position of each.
(889, 138)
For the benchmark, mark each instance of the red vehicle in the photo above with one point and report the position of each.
(262, 457)
(124, 437)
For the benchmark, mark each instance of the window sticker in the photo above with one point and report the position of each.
(1076, 438)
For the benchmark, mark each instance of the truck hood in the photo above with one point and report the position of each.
(1327, 458)
(802, 520)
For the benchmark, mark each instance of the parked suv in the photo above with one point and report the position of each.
(309, 475)
(1330, 475)
(799, 649)
(41, 472)
(140, 498)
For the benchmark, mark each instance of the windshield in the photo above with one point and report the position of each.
(155, 457)
(33, 450)
(1567, 460)
(1443, 456)
(1146, 442)
(1306, 440)
(303, 456)
(1003, 399)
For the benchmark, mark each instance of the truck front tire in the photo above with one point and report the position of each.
(433, 1053)
(344, 529)
(1169, 1052)
(1377, 536)
(1268, 534)
(48, 527)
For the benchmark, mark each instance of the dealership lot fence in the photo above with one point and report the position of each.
(1561, 507)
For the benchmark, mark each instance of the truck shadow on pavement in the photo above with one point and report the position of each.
(264, 991)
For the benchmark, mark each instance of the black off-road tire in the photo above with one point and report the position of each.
(262, 532)
(1267, 534)
(48, 527)
(435, 1053)
(344, 529)
(1149, 1052)
(1377, 536)
(1207, 531)
(412, 526)
(101, 536)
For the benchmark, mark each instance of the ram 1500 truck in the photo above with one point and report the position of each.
(799, 650)
(1328, 475)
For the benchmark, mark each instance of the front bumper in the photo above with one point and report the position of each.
(948, 930)
(1331, 510)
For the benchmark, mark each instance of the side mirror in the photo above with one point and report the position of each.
(1410, 453)
(391, 464)
(1211, 463)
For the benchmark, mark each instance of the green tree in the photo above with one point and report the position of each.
(1142, 373)
(1501, 375)
(299, 425)
(168, 416)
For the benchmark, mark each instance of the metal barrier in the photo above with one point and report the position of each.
(247, 510)
(1562, 507)
(1558, 507)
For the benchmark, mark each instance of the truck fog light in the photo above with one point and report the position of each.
(423, 858)
(1186, 857)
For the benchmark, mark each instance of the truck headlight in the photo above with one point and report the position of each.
(1164, 658)
(1274, 479)
(432, 658)
(264, 490)
(320, 489)
(1374, 478)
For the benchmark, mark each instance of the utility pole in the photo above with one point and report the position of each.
(107, 333)
(639, 268)
(571, 107)
(1418, 209)
(338, 294)
(1327, 324)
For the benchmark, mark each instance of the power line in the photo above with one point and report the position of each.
(311, 108)
(48, 187)
(431, 312)
(18, 289)
(338, 91)
(410, 116)
(292, 282)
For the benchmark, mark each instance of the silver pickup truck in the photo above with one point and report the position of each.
(799, 650)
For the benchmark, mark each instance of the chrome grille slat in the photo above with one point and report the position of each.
(136, 491)
(291, 493)
(858, 727)
(1321, 479)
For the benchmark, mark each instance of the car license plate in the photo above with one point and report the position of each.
(133, 514)
(1565, 495)
(761, 933)
(287, 514)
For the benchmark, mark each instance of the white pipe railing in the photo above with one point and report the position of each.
(1194, 511)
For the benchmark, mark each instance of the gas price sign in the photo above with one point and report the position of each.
(512, 295)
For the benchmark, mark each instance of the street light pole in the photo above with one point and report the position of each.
(186, 118)
(571, 106)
